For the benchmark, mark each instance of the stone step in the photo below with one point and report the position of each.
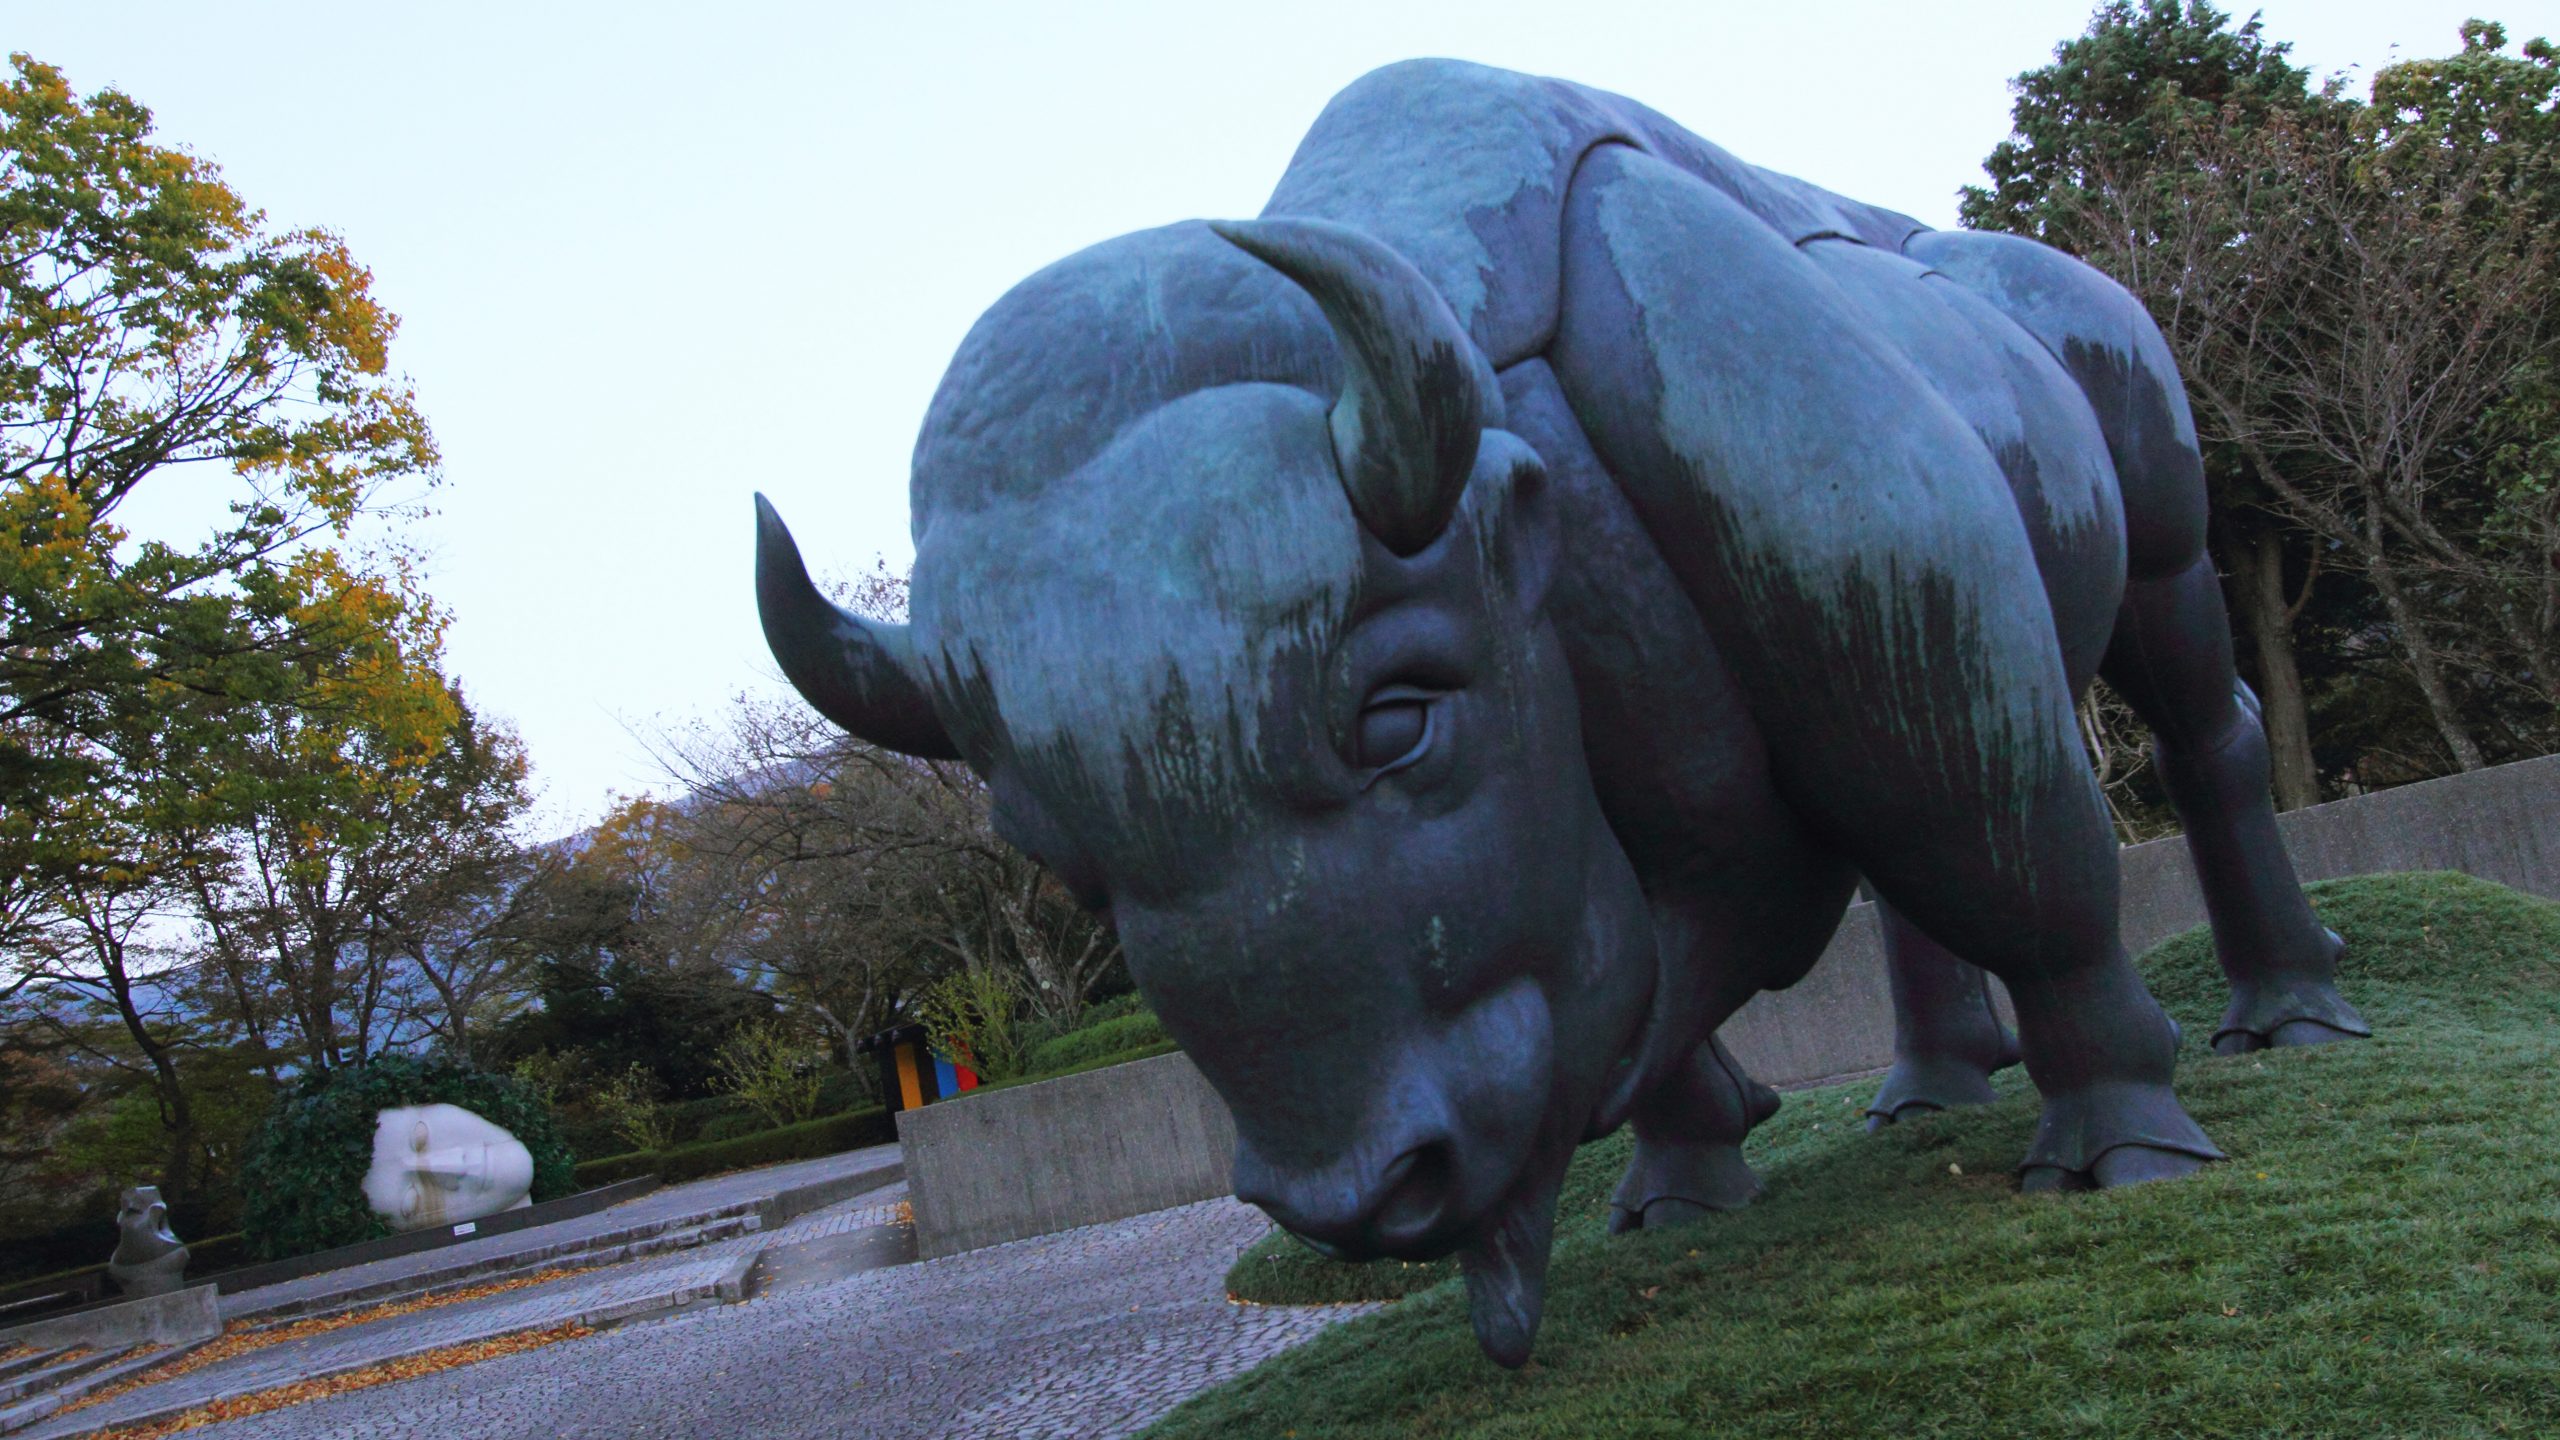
(111, 1367)
(803, 1186)
(534, 1253)
(32, 1360)
(609, 1249)
(682, 1287)
(36, 1382)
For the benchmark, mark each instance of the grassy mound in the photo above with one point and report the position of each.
(2380, 1256)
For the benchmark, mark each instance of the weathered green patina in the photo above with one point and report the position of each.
(1471, 628)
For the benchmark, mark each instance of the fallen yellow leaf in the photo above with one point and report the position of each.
(241, 1406)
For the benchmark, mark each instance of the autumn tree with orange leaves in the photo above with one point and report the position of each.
(228, 721)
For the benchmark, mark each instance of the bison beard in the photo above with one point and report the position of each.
(1506, 1263)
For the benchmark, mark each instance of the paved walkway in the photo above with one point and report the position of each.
(1090, 1333)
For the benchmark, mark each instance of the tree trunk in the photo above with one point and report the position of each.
(178, 1178)
(177, 1115)
(2422, 662)
(2257, 564)
(843, 1033)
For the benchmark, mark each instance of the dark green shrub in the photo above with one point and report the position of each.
(807, 1141)
(303, 1179)
(695, 1118)
(590, 1136)
(49, 1253)
(1114, 1008)
(733, 1125)
(847, 1090)
(1109, 1037)
(216, 1254)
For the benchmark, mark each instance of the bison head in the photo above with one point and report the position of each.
(1233, 589)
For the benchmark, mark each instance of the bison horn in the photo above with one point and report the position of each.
(858, 673)
(1416, 393)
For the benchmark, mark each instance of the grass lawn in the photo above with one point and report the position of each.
(2380, 1256)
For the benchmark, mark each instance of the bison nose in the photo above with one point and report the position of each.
(1397, 1210)
(1417, 1190)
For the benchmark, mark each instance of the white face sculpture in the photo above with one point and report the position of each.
(441, 1165)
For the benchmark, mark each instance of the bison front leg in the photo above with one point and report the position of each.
(1689, 1144)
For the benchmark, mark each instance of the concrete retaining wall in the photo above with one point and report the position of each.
(1077, 1150)
(189, 1314)
(2500, 824)
(1133, 1138)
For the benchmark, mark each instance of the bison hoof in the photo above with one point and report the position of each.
(1878, 1119)
(2296, 1006)
(2124, 1165)
(2286, 1035)
(1921, 1085)
(1659, 1214)
(1668, 1185)
(2279, 1014)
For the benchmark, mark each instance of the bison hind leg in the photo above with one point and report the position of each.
(2102, 1050)
(2279, 1011)
(1948, 1040)
(1689, 1133)
(2171, 661)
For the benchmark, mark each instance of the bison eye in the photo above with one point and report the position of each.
(1392, 733)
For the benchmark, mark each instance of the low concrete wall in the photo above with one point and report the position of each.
(1078, 1150)
(2500, 824)
(189, 1314)
(1138, 1137)
(785, 1206)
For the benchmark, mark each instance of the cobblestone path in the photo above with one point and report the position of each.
(1089, 1333)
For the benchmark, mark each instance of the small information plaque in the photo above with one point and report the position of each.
(467, 1227)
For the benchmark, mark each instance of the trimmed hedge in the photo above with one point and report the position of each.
(302, 1182)
(1098, 1062)
(1111, 1036)
(806, 1141)
(716, 1117)
(1130, 1003)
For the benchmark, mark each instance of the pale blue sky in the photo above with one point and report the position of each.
(651, 258)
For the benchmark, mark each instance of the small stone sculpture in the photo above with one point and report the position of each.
(148, 1259)
(443, 1165)
(1470, 629)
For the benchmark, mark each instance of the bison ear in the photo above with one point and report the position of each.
(1416, 392)
(1511, 505)
(858, 673)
